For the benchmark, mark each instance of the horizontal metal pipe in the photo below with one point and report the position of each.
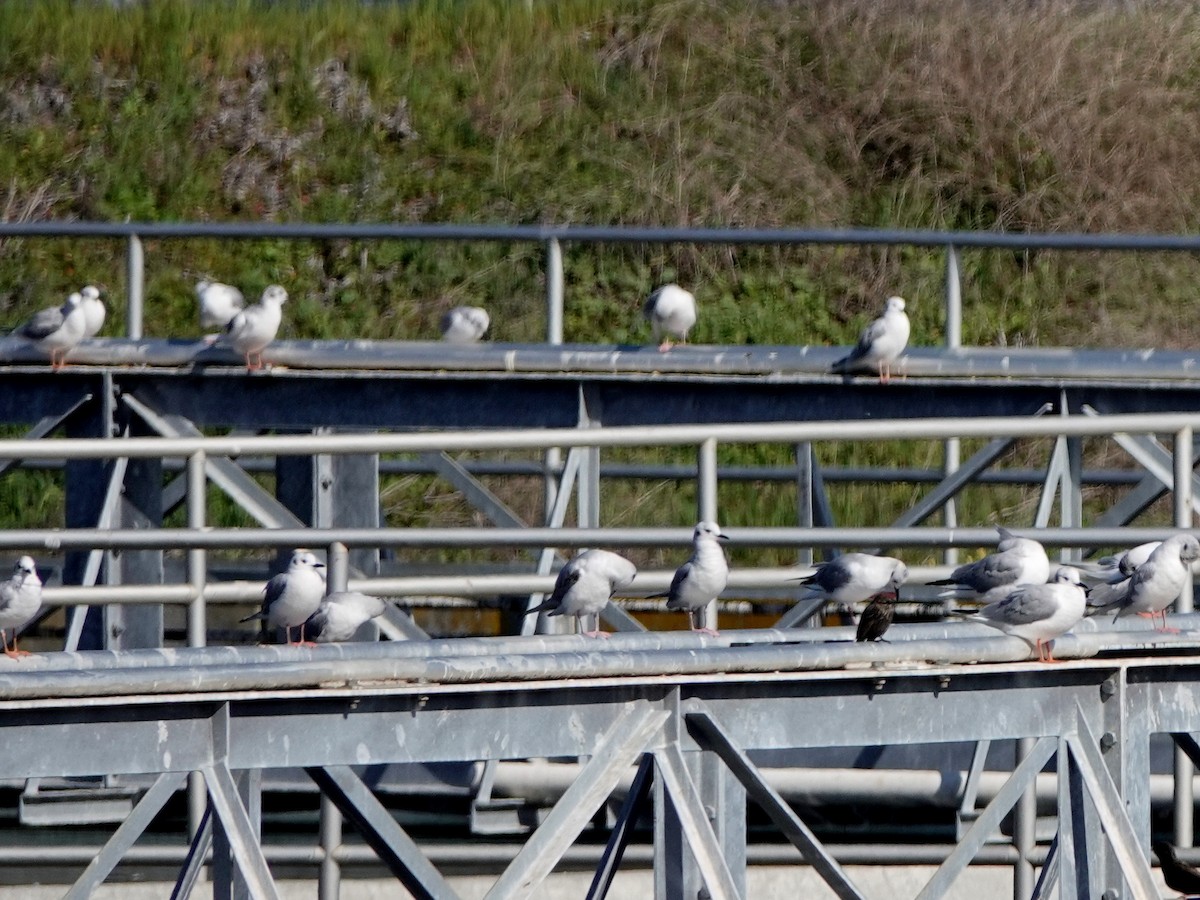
(622, 436)
(495, 856)
(544, 783)
(607, 234)
(170, 671)
(55, 539)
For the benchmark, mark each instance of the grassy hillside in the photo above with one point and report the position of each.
(922, 114)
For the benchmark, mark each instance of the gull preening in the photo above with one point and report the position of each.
(93, 310)
(20, 600)
(1154, 585)
(1017, 561)
(880, 343)
(702, 578)
(292, 596)
(253, 328)
(465, 324)
(219, 303)
(1116, 568)
(1038, 613)
(855, 577)
(57, 330)
(671, 312)
(585, 585)
(340, 615)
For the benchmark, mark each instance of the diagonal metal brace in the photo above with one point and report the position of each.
(711, 736)
(380, 830)
(246, 850)
(620, 747)
(126, 835)
(978, 834)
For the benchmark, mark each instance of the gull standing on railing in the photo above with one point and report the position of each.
(218, 303)
(93, 310)
(20, 600)
(585, 585)
(671, 312)
(465, 324)
(292, 596)
(701, 579)
(880, 343)
(1154, 585)
(253, 328)
(57, 330)
(340, 615)
(1017, 561)
(1038, 613)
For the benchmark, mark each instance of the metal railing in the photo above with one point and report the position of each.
(199, 538)
(551, 238)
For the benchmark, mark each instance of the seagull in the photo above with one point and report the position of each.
(1116, 568)
(876, 619)
(1177, 875)
(855, 577)
(1017, 561)
(702, 578)
(253, 328)
(1154, 585)
(20, 600)
(341, 614)
(585, 585)
(880, 343)
(1038, 612)
(93, 310)
(672, 313)
(465, 324)
(218, 303)
(57, 330)
(292, 596)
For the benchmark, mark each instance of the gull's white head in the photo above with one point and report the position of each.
(274, 294)
(894, 304)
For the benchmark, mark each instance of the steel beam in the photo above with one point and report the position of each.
(380, 830)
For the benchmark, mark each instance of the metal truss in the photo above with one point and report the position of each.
(693, 736)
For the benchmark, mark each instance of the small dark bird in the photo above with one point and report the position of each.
(877, 617)
(1178, 875)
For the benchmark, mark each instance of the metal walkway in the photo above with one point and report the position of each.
(688, 714)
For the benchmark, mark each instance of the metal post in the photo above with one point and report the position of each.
(197, 617)
(1024, 827)
(330, 879)
(804, 497)
(1184, 769)
(706, 506)
(554, 292)
(952, 453)
(135, 278)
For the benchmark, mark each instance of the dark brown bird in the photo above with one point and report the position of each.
(877, 617)
(1178, 875)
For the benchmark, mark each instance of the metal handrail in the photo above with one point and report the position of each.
(552, 236)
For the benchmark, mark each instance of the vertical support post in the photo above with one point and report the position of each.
(804, 497)
(554, 292)
(135, 280)
(1071, 486)
(85, 490)
(329, 883)
(706, 506)
(197, 613)
(137, 626)
(337, 567)
(1184, 769)
(228, 883)
(1024, 827)
(952, 449)
(552, 458)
